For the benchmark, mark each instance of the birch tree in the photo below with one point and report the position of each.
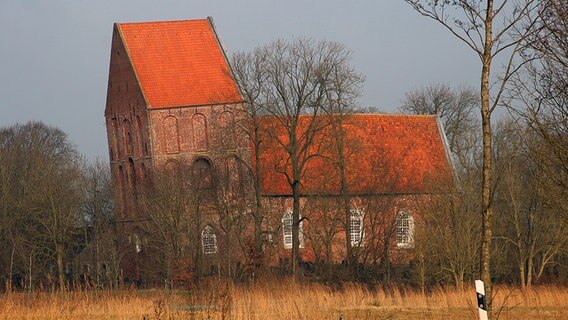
(492, 30)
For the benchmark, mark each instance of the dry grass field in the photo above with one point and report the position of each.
(283, 300)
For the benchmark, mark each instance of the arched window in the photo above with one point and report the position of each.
(227, 127)
(201, 171)
(140, 135)
(170, 134)
(356, 228)
(114, 137)
(123, 192)
(172, 166)
(404, 230)
(208, 240)
(144, 174)
(127, 137)
(233, 175)
(131, 175)
(287, 222)
(199, 128)
(226, 120)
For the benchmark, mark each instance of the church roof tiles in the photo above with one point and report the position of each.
(385, 154)
(179, 63)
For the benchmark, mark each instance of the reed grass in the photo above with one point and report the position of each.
(284, 300)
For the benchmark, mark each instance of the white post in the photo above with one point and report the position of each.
(481, 301)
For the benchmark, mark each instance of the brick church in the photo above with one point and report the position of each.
(172, 104)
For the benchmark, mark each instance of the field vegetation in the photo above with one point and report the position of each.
(284, 300)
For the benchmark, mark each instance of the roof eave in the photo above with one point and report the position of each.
(195, 105)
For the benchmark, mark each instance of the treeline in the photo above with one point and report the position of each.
(51, 202)
(531, 217)
(529, 151)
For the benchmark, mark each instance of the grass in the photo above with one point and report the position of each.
(283, 300)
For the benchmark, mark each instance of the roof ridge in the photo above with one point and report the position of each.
(368, 115)
(160, 21)
(392, 114)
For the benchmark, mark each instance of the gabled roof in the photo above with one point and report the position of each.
(385, 154)
(179, 63)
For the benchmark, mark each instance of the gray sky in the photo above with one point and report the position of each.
(54, 55)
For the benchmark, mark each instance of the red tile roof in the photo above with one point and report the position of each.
(179, 63)
(387, 154)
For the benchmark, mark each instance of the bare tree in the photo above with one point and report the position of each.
(249, 72)
(323, 230)
(541, 94)
(295, 81)
(172, 229)
(341, 101)
(44, 195)
(10, 191)
(101, 241)
(449, 235)
(534, 230)
(490, 30)
(457, 108)
(233, 205)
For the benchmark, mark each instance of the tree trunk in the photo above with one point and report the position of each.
(60, 268)
(295, 228)
(386, 262)
(30, 285)
(10, 285)
(197, 259)
(328, 253)
(486, 203)
(529, 271)
(259, 214)
(338, 131)
(422, 273)
(522, 273)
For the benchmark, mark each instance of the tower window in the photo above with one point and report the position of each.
(208, 240)
(287, 223)
(404, 230)
(356, 228)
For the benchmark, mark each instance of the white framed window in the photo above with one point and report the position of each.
(404, 230)
(287, 222)
(356, 228)
(208, 240)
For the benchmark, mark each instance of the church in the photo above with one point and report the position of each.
(174, 109)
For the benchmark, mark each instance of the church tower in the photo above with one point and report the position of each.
(171, 100)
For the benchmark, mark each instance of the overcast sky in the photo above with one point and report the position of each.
(54, 55)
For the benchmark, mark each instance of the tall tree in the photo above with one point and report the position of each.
(296, 77)
(248, 71)
(527, 224)
(490, 30)
(46, 190)
(340, 103)
(99, 223)
(457, 109)
(174, 213)
(541, 92)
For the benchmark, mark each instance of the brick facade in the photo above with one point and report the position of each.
(172, 104)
